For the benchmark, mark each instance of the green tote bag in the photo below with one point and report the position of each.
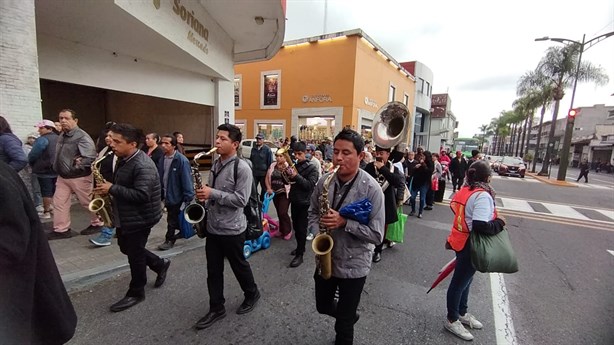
(493, 253)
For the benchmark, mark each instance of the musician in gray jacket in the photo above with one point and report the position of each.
(353, 242)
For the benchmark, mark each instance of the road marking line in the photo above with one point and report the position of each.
(564, 211)
(517, 205)
(607, 213)
(504, 327)
(610, 251)
(546, 217)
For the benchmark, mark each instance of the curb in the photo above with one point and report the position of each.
(81, 280)
(545, 179)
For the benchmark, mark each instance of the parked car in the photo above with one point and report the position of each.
(511, 166)
(247, 144)
(494, 162)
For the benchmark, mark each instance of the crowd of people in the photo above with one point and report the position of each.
(140, 180)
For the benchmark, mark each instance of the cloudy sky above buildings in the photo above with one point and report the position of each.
(477, 50)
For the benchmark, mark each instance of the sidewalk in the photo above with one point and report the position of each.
(552, 180)
(81, 263)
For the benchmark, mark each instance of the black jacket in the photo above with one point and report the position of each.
(304, 183)
(34, 305)
(421, 176)
(395, 181)
(458, 168)
(136, 193)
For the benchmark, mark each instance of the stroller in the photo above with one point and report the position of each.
(272, 223)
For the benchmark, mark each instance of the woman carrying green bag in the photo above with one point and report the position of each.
(474, 211)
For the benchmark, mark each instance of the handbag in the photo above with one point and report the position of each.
(396, 230)
(493, 253)
(434, 184)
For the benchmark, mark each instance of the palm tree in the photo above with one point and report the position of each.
(559, 67)
(527, 104)
(484, 129)
(538, 85)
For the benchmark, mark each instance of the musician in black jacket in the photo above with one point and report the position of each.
(136, 207)
(382, 170)
(303, 179)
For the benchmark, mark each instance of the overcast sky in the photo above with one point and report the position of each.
(477, 50)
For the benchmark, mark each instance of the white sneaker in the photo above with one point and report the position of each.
(458, 330)
(40, 209)
(44, 215)
(470, 321)
(309, 236)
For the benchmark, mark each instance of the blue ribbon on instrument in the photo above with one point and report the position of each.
(358, 211)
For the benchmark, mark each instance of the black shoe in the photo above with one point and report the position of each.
(293, 252)
(297, 261)
(377, 257)
(166, 245)
(412, 213)
(90, 230)
(126, 303)
(428, 208)
(54, 235)
(162, 274)
(249, 304)
(209, 319)
(356, 318)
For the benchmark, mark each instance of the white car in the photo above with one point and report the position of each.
(247, 144)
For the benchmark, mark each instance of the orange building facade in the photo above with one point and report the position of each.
(316, 86)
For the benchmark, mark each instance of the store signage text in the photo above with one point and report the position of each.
(323, 98)
(370, 102)
(188, 17)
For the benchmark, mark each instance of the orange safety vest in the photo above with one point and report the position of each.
(459, 233)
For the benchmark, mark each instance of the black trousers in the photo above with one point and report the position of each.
(583, 174)
(231, 247)
(133, 245)
(344, 311)
(457, 181)
(259, 180)
(172, 220)
(299, 221)
(380, 247)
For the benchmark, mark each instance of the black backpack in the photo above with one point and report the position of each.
(252, 211)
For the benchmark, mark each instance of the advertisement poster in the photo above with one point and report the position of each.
(271, 83)
(237, 92)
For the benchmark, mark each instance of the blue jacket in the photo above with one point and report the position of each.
(180, 187)
(11, 151)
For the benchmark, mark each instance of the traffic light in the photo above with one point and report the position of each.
(572, 113)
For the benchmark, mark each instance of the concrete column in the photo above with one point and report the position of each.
(20, 97)
(224, 104)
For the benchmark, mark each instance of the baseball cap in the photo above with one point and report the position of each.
(259, 136)
(45, 123)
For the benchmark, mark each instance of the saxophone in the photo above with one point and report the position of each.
(101, 204)
(195, 212)
(323, 243)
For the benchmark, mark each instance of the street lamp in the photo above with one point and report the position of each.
(584, 45)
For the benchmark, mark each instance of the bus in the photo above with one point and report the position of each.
(466, 145)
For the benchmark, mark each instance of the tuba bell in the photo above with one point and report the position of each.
(390, 124)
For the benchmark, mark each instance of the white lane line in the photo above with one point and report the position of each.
(607, 213)
(564, 211)
(504, 327)
(610, 251)
(517, 205)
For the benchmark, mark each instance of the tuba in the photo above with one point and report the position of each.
(323, 243)
(389, 129)
(195, 212)
(101, 204)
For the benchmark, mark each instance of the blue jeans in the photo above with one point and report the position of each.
(412, 199)
(458, 291)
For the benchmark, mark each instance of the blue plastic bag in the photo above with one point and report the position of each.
(266, 202)
(186, 230)
(358, 211)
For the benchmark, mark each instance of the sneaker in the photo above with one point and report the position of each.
(40, 209)
(309, 236)
(166, 245)
(55, 235)
(412, 213)
(419, 215)
(391, 244)
(428, 208)
(470, 321)
(90, 230)
(104, 239)
(458, 330)
(44, 215)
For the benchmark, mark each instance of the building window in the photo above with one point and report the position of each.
(406, 99)
(272, 130)
(270, 90)
(428, 88)
(238, 90)
(421, 86)
(611, 113)
(391, 93)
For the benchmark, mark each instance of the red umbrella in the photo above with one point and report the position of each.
(443, 273)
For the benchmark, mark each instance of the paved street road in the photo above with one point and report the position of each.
(561, 295)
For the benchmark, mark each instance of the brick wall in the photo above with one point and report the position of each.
(20, 99)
